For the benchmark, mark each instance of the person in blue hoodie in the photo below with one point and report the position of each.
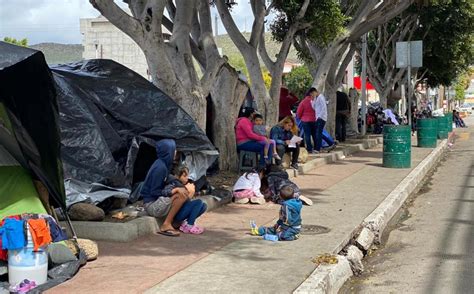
(156, 203)
(288, 226)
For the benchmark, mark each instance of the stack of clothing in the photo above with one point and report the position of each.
(13, 232)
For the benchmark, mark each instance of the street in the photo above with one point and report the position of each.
(431, 248)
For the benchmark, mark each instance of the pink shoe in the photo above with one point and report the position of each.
(188, 229)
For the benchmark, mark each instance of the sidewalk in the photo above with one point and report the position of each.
(227, 259)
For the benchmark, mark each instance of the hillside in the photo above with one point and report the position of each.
(64, 53)
(229, 49)
(59, 53)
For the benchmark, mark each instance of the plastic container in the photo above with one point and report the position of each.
(27, 264)
(397, 146)
(270, 237)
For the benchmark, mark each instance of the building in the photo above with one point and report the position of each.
(101, 39)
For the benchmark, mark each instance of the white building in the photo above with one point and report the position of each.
(101, 39)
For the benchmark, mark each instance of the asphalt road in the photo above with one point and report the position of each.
(431, 249)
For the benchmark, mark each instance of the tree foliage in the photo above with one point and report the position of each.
(299, 80)
(22, 42)
(462, 83)
(325, 16)
(447, 31)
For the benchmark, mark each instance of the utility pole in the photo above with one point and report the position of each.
(363, 79)
(409, 87)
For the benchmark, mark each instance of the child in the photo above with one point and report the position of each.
(288, 225)
(191, 209)
(247, 188)
(260, 129)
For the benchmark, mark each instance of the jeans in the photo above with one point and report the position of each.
(319, 133)
(190, 211)
(341, 122)
(254, 146)
(309, 129)
(295, 152)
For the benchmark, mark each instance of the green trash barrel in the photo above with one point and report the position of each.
(442, 127)
(427, 132)
(450, 121)
(397, 146)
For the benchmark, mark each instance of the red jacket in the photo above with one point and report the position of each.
(287, 100)
(244, 131)
(306, 111)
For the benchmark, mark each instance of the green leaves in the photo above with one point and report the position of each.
(325, 17)
(299, 80)
(22, 42)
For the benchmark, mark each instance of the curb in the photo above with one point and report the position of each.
(131, 230)
(323, 279)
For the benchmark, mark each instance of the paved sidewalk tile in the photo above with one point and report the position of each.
(226, 258)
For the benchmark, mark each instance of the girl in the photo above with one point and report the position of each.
(260, 129)
(247, 188)
(191, 209)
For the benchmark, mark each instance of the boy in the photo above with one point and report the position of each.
(288, 225)
(260, 129)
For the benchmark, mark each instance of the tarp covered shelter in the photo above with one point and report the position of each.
(110, 119)
(29, 132)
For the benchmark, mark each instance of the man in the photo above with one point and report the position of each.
(343, 110)
(287, 101)
(155, 202)
(320, 107)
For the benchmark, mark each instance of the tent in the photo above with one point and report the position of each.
(110, 119)
(29, 133)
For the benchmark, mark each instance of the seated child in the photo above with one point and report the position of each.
(288, 225)
(191, 209)
(247, 188)
(261, 129)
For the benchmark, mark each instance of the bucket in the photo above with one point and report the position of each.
(396, 146)
(27, 264)
(450, 121)
(427, 132)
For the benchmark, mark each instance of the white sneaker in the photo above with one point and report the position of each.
(257, 200)
(241, 200)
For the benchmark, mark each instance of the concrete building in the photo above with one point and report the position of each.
(101, 39)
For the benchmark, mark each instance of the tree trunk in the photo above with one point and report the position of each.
(227, 94)
(332, 99)
(353, 127)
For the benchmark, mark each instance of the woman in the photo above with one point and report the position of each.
(247, 140)
(307, 116)
(282, 134)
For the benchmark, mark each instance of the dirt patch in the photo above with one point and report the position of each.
(223, 180)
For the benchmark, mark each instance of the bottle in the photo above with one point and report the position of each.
(270, 237)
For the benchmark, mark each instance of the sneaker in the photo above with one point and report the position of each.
(294, 165)
(306, 200)
(241, 200)
(314, 152)
(257, 200)
(277, 157)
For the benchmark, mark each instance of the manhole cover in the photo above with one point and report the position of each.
(313, 230)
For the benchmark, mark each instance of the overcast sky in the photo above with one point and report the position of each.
(58, 20)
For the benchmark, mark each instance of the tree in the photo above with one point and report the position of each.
(328, 60)
(250, 49)
(299, 81)
(446, 30)
(462, 83)
(22, 42)
(170, 54)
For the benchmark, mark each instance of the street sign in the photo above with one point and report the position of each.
(415, 54)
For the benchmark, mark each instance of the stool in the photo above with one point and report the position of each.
(248, 160)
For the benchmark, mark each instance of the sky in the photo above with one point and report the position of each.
(57, 21)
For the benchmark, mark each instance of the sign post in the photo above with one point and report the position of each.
(409, 54)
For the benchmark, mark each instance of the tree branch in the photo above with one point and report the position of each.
(259, 13)
(119, 18)
(230, 25)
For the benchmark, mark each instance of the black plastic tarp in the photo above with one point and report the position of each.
(27, 92)
(106, 112)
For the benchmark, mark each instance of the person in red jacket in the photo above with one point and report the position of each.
(307, 116)
(287, 101)
(248, 140)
